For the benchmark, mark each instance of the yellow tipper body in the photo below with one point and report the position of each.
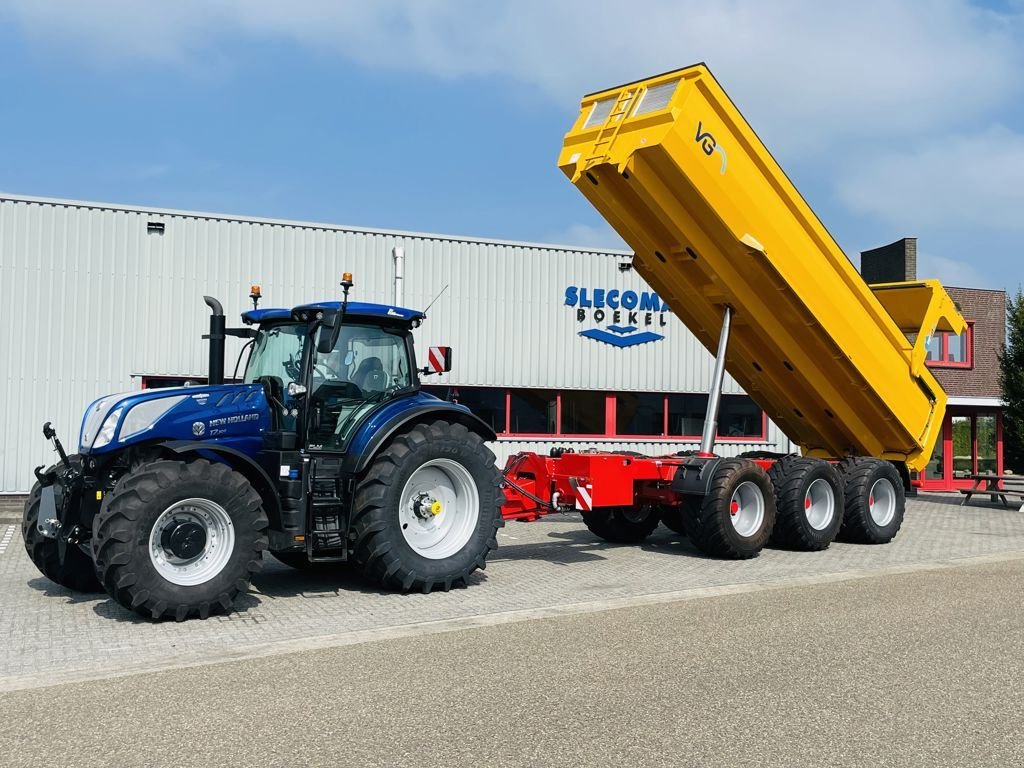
(714, 222)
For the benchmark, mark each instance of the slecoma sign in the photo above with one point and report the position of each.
(628, 315)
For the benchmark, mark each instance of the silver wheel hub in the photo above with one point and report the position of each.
(439, 508)
(746, 509)
(820, 504)
(191, 542)
(882, 502)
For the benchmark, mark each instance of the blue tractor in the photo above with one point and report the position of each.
(327, 452)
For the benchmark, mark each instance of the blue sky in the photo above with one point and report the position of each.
(893, 118)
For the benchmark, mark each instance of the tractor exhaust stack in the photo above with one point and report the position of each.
(216, 337)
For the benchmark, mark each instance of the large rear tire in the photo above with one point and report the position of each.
(809, 502)
(76, 572)
(622, 525)
(427, 510)
(736, 517)
(177, 539)
(875, 500)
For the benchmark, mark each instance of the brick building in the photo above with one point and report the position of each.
(967, 366)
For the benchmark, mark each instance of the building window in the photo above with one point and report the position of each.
(640, 413)
(949, 350)
(489, 404)
(608, 415)
(533, 412)
(738, 416)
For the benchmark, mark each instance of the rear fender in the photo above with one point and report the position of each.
(240, 463)
(371, 440)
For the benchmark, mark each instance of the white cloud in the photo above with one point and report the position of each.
(586, 236)
(807, 73)
(950, 271)
(970, 178)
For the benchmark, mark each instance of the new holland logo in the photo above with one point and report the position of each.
(631, 315)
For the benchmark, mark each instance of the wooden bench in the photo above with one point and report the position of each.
(1012, 488)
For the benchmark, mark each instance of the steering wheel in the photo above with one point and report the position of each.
(333, 373)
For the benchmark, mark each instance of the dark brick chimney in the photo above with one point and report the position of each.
(892, 263)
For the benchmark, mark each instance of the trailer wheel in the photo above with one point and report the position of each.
(428, 509)
(875, 500)
(809, 502)
(622, 525)
(176, 539)
(76, 572)
(674, 517)
(736, 517)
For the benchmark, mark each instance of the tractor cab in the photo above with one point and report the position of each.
(325, 366)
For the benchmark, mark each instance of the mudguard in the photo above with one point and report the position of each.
(241, 463)
(374, 434)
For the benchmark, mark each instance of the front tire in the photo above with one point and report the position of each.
(427, 510)
(76, 572)
(178, 539)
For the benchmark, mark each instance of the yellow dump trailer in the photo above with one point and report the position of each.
(714, 222)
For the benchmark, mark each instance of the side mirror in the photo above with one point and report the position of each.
(439, 360)
(328, 332)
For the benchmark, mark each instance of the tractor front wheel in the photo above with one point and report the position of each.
(427, 510)
(176, 539)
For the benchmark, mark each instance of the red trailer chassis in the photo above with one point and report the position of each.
(538, 485)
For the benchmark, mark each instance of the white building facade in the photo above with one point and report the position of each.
(553, 346)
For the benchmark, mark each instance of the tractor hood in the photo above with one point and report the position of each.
(179, 413)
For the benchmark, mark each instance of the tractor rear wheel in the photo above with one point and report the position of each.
(623, 525)
(427, 510)
(736, 517)
(176, 539)
(76, 572)
(875, 500)
(809, 499)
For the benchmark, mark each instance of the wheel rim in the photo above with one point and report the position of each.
(439, 509)
(820, 504)
(746, 509)
(882, 502)
(191, 542)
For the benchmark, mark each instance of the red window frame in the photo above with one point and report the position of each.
(943, 361)
(611, 419)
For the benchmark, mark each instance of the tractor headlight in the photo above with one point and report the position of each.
(107, 430)
(144, 415)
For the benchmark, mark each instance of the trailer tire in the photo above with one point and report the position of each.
(622, 525)
(176, 539)
(674, 517)
(736, 517)
(875, 500)
(76, 572)
(394, 541)
(809, 503)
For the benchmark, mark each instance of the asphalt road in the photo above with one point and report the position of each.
(913, 669)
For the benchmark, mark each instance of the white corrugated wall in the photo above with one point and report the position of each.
(90, 301)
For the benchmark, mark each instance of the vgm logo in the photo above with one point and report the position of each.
(629, 314)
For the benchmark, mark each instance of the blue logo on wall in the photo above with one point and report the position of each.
(631, 315)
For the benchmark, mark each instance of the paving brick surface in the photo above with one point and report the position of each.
(554, 562)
